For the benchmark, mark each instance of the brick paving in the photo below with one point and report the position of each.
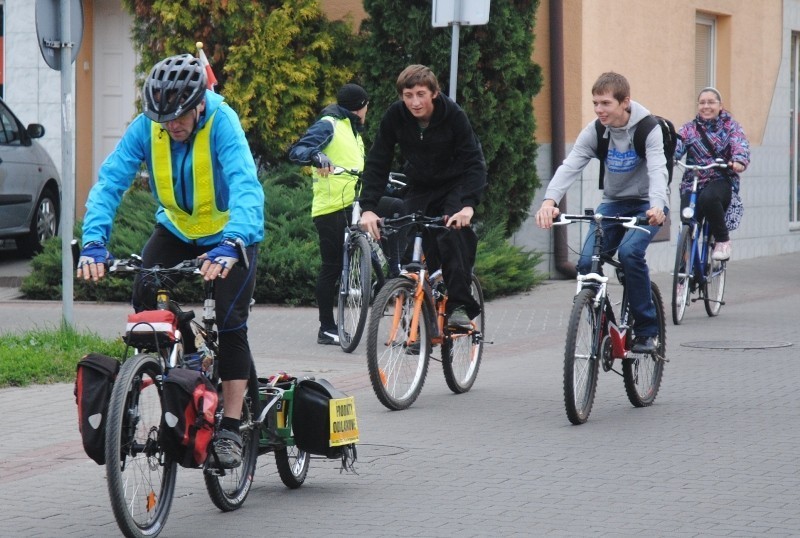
(714, 456)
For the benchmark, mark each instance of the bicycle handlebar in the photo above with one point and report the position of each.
(395, 178)
(413, 219)
(131, 264)
(633, 223)
(718, 163)
(134, 265)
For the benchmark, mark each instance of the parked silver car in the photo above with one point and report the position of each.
(30, 189)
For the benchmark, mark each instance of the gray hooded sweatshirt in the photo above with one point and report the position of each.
(627, 175)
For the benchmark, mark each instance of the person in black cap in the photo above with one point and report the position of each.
(333, 140)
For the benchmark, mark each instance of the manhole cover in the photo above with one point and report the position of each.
(736, 344)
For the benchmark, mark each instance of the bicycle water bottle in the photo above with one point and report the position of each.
(194, 361)
(378, 252)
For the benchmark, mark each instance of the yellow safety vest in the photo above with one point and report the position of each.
(336, 192)
(205, 219)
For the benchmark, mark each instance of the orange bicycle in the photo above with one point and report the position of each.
(408, 318)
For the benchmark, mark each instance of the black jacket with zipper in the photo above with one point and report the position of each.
(445, 156)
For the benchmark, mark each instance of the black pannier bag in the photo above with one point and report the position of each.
(187, 424)
(93, 384)
(315, 425)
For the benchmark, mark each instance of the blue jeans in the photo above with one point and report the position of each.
(630, 246)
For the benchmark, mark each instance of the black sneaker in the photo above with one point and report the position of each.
(458, 319)
(644, 344)
(228, 448)
(328, 338)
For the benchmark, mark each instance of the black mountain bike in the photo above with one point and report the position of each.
(141, 474)
(365, 268)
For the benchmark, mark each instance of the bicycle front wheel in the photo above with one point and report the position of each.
(462, 350)
(714, 285)
(228, 488)
(681, 275)
(355, 292)
(642, 373)
(141, 478)
(397, 360)
(581, 358)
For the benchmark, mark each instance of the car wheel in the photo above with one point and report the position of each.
(44, 224)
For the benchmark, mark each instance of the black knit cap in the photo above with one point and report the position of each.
(352, 97)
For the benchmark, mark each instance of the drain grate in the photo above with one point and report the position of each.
(736, 344)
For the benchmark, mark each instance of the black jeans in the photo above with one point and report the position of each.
(232, 295)
(712, 202)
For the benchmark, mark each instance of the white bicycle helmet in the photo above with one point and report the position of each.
(175, 85)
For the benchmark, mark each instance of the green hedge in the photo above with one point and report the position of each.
(288, 261)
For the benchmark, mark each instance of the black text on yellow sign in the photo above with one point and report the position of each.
(344, 426)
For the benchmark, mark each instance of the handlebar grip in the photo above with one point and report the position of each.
(241, 250)
(76, 253)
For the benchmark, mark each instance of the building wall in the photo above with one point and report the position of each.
(752, 73)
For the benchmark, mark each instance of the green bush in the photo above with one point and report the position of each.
(288, 261)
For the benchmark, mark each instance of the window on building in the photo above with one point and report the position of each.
(705, 52)
(794, 146)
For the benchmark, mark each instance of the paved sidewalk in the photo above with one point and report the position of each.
(716, 455)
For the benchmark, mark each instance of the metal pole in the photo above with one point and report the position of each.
(454, 59)
(454, 43)
(67, 173)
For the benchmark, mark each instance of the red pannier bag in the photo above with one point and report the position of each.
(187, 424)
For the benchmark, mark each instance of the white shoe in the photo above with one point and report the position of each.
(722, 251)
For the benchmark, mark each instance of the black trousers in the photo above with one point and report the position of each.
(452, 250)
(232, 295)
(712, 203)
(330, 229)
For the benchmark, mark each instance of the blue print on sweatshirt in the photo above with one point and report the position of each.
(619, 162)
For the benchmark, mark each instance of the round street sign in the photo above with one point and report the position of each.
(48, 30)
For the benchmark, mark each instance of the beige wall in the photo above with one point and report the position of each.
(652, 44)
(350, 10)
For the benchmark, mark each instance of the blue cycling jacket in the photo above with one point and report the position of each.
(236, 184)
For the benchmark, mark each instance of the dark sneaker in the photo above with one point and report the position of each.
(458, 319)
(413, 349)
(644, 344)
(328, 338)
(228, 448)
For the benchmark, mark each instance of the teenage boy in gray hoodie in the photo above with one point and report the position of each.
(633, 187)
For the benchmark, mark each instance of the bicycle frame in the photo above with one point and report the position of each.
(617, 332)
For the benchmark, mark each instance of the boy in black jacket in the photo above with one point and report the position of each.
(446, 173)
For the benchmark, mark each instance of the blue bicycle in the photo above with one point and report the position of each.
(695, 271)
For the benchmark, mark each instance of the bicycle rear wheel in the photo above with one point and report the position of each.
(397, 366)
(681, 275)
(228, 488)
(581, 359)
(141, 478)
(355, 292)
(714, 283)
(642, 373)
(292, 466)
(462, 350)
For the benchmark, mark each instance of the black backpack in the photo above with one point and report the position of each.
(643, 129)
